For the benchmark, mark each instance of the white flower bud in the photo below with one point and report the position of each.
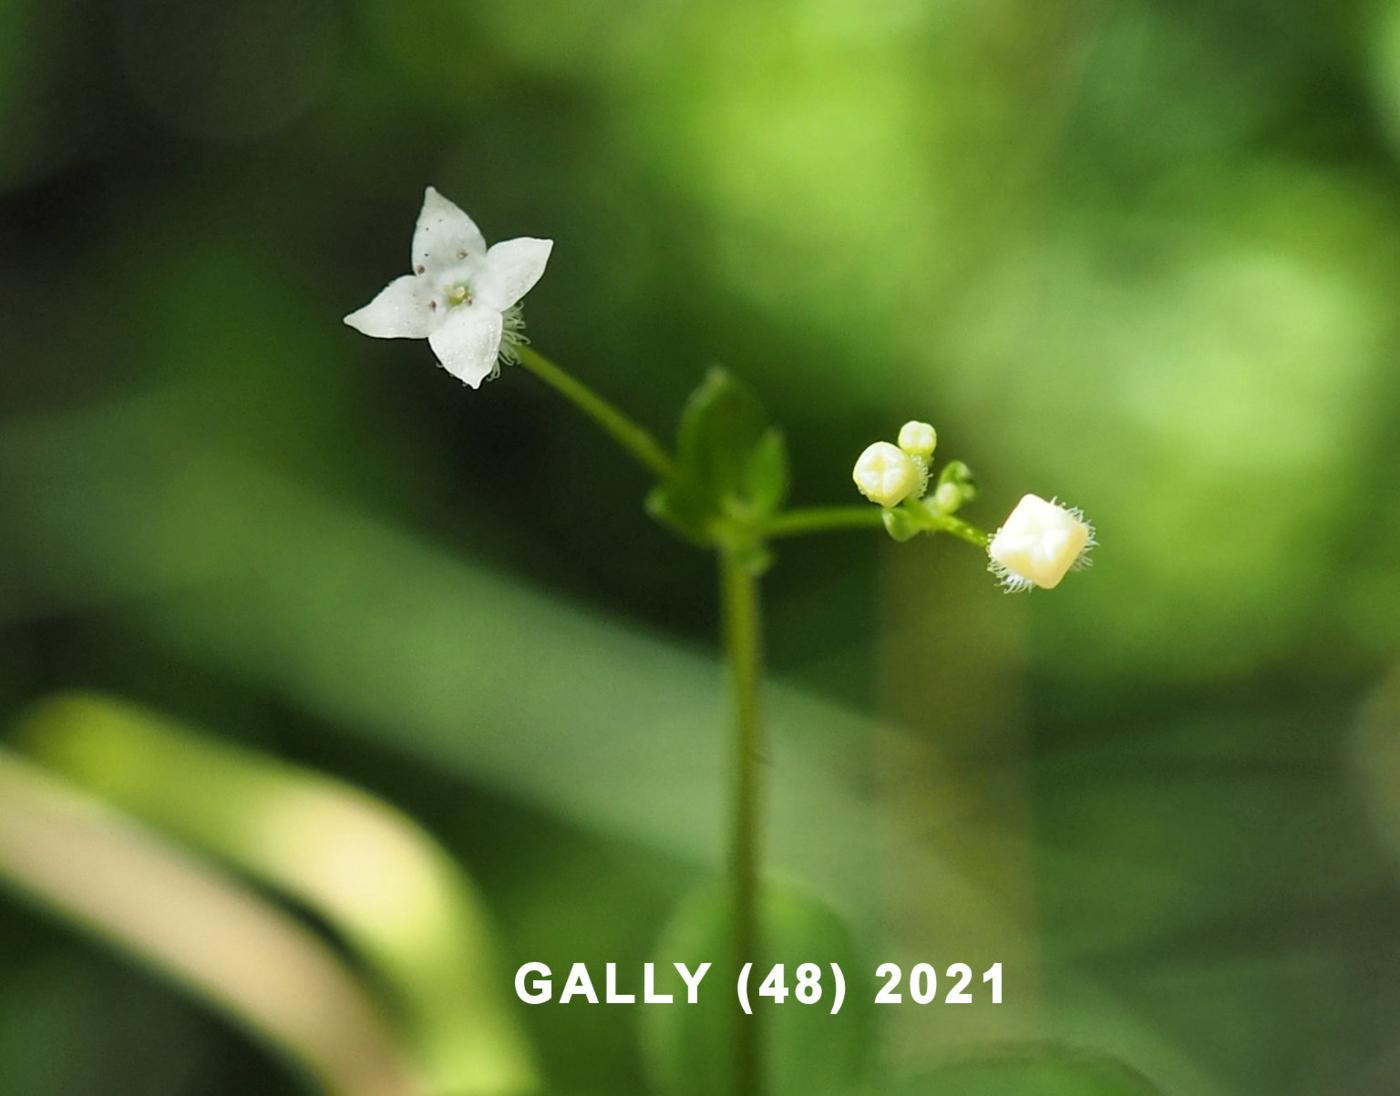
(1038, 544)
(886, 474)
(918, 439)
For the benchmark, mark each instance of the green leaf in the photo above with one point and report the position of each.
(1031, 1070)
(81, 862)
(684, 511)
(755, 558)
(901, 524)
(720, 426)
(313, 839)
(809, 1052)
(732, 468)
(766, 474)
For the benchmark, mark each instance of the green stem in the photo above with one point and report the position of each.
(826, 519)
(638, 442)
(823, 519)
(960, 529)
(743, 647)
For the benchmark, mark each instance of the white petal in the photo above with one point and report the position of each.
(467, 343)
(401, 311)
(512, 269)
(444, 235)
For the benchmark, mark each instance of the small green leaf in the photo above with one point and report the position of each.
(754, 558)
(722, 423)
(766, 475)
(732, 469)
(901, 524)
(682, 510)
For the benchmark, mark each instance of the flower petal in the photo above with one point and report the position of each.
(512, 269)
(467, 343)
(444, 235)
(401, 311)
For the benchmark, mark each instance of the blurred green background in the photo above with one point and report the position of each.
(1144, 257)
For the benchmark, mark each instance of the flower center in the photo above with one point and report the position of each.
(458, 294)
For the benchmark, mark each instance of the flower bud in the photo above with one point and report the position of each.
(947, 497)
(886, 474)
(1038, 543)
(918, 439)
(960, 476)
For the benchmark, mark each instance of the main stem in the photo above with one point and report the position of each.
(744, 649)
(743, 643)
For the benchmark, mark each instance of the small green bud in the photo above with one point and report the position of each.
(947, 497)
(960, 476)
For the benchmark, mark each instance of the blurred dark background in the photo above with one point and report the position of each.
(1141, 256)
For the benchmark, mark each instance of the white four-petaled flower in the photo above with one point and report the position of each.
(462, 296)
(1038, 544)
